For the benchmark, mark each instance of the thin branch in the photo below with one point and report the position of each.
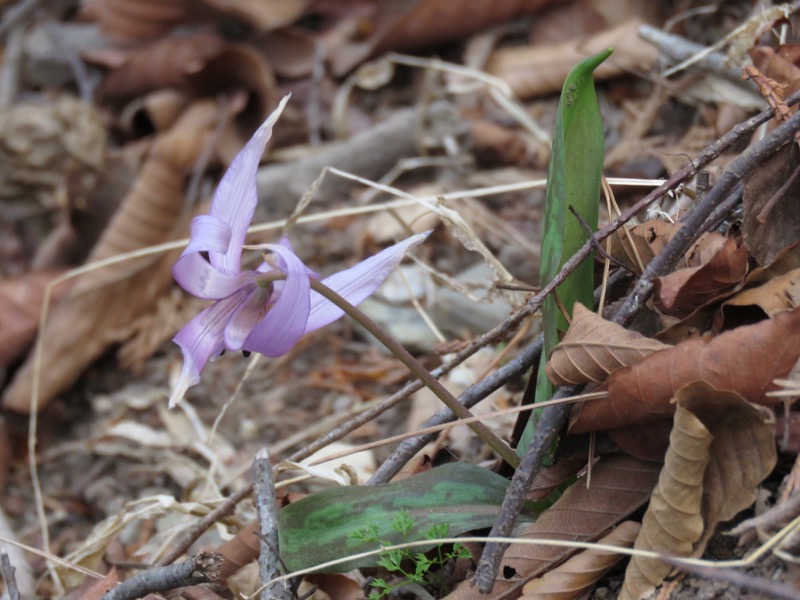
(203, 567)
(9, 576)
(264, 492)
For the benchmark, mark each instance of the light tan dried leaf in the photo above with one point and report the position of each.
(104, 302)
(620, 485)
(776, 295)
(593, 348)
(578, 574)
(721, 448)
(263, 15)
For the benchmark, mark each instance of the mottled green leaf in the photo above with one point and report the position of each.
(320, 528)
(573, 179)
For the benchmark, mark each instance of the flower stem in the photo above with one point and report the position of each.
(413, 365)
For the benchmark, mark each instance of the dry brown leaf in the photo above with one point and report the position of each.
(538, 70)
(721, 448)
(771, 220)
(776, 295)
(20, 309)
(414, 24)
(138, 19)
(581, 572)
(620, 485)
(773, 91)
(104, 302)
(744, 360)
(636, 246)
(263, 15)
(684, 290)
(593, 348)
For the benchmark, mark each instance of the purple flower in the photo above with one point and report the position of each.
(269, 309)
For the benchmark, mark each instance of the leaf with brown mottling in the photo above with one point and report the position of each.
(721, 448)
(684, 290)
(620, 485)
(104, 302)
(581, 572)
(593, 348)
(744, 360)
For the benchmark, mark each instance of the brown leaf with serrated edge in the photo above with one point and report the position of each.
(104, 302)
(620, 485)
(773, 92)
(593, 348)
(744, 360)
(721, 448)
(20, 308)
(581, 572)
(682, 291)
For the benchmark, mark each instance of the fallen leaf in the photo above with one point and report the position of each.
(721, 448)
(776, 295)
(137, 19)
(262, 15)
(782, 223)
(620, 485)
(593, 348)
(744, 360)
(581, 572)
(684, 290)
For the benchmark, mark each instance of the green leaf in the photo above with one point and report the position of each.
(320, 527)
(573, 179)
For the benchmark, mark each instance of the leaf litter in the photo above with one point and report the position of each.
(119, 479)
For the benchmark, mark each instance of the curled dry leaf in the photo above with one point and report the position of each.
(581, 572)
(721, 448)
(620, 485)
(536, 70)
(635, 246)
(776, 295)
(682, 291)
(102, 303)
(745, 360)
(138, 19)
(593, 348)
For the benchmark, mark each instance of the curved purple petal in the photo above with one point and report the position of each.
(357, 283)
(196, 275)
(208, 234)
(236, 197)
(200, 339)
(245, 317)
(285, 322)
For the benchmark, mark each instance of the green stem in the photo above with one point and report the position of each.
(413, 365)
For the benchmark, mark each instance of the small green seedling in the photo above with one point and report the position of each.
(410, 568)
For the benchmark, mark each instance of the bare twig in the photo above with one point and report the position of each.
(203, 567)
(9, 576)
(553, 418)
(264, 492)
(9, 74)
(772, 519)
